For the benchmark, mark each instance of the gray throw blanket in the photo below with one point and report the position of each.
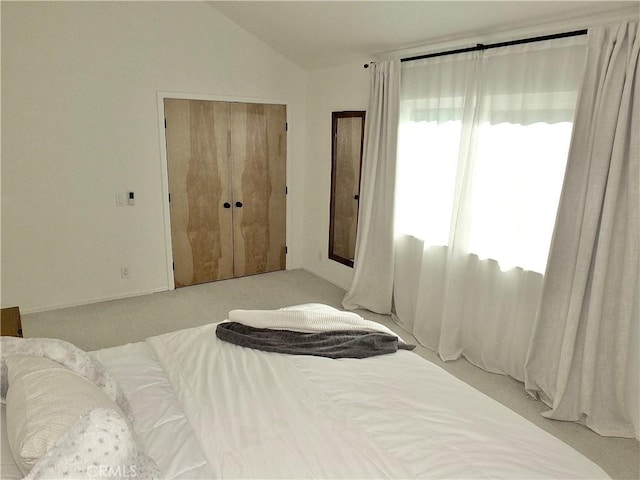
(331, 344)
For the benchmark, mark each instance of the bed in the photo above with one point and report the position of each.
(206, 408)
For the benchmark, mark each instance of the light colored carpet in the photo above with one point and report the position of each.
(106, 324)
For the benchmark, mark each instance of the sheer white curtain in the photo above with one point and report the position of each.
(482, 148)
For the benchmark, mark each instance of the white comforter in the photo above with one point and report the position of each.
(223, 411)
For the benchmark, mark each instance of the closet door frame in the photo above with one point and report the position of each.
(164, 165)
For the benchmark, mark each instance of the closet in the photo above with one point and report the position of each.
(227, 188)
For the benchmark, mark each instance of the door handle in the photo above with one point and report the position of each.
(356, 197)
(239, 204)
(226, 205)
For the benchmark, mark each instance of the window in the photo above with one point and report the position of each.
(482, 148)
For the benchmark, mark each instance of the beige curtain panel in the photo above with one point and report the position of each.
(372, 285)
(583, 355)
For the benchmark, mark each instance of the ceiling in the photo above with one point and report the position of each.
(319, 34)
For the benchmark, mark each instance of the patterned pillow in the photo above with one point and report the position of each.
(44, 400)
(99, 446)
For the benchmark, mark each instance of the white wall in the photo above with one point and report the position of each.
(328, 90)
(80, 123)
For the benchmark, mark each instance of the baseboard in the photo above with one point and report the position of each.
(92, 300)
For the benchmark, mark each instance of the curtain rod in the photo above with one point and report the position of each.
(481, 46)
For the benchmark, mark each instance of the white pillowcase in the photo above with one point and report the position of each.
(44, 401)
(8, 468)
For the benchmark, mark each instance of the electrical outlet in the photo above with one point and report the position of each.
(125, 272)
(121, 199)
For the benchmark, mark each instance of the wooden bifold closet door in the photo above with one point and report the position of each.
(227, 183)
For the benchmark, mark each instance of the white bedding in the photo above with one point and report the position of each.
(160, 421)
(208, 409)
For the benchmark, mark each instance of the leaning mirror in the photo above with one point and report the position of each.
(346, 160)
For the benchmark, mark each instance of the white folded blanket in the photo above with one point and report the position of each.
(307, 321)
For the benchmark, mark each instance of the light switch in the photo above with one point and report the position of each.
(131, 198)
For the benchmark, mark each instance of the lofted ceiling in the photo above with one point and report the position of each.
(319, 34)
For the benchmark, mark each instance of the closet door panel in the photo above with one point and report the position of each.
(198, 142)
(258, 151)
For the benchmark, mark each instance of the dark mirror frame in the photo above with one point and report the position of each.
(335, 117)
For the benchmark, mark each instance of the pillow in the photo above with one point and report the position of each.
(44, 401)
(99, 446)
(8, 468)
